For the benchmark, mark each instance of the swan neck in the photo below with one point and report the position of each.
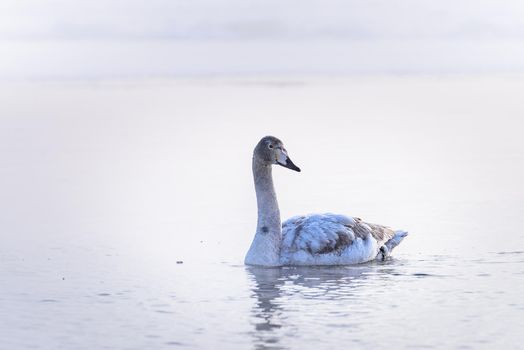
(267, 204)
(265, 248)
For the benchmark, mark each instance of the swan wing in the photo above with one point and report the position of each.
(331, 239)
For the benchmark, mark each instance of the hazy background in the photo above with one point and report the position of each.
(116, 98)
(126, 135)
(159, 38)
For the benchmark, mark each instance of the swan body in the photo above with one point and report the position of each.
(316, 239)
(331, 239)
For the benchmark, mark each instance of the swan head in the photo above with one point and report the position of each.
(270, 150)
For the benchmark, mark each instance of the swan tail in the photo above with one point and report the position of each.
(396, 239)
(385, 250)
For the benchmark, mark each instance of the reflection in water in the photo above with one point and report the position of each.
(276, 288)
(267, 313)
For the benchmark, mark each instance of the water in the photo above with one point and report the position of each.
(409, 302)
(127, 209)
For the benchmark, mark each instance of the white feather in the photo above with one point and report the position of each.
(312, 240)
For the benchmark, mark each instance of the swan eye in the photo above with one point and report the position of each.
(270, 146)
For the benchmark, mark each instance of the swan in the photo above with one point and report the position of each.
(315, 239)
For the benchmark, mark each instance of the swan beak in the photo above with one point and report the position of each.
(290, 165)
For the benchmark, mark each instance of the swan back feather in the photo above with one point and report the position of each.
(331, 239)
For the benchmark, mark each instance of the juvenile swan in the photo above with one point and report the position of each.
(317, 239)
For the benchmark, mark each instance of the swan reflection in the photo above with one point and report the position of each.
(275, 291)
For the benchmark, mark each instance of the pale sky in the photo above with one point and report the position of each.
(83, 39)
(230, 19)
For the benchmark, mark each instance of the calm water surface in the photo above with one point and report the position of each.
(434, 301)
(127, 211)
